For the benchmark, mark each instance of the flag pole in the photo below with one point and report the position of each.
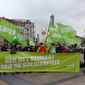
(47, 34)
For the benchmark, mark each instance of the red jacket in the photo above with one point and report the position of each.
(64, 51)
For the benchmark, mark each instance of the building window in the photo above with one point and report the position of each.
(23, 30)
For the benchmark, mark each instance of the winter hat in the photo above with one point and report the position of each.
(58, 43)
(63, 46)
(28, 43)
(15, 41)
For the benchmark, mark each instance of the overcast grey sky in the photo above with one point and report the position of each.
(67, 12)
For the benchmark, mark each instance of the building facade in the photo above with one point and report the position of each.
(26, 27)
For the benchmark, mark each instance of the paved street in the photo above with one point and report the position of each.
(49, 78)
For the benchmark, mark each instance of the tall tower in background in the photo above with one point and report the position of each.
(52, 19)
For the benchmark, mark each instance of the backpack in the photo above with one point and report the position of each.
(42, 49)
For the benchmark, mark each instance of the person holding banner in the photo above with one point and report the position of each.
(28, 48)
(42, 49)
(52, 49)
(21, 49)
(7, 48)
(83, 52)
(35, 48)
(15, 49)
(63, 49)
(56, 48)
(3, 48)
(83, 64)
(71, 48)
(59, 50)
(74, 48)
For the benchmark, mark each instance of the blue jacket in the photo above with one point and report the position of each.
(59, 50)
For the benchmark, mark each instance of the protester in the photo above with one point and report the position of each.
(71, 49)
(27, 48)
(42, 49)
(83, 64)
(31, 48)
(3, 48)
(21, 49)
(63, 49)
(52, 49)
(74, 48)
(7, 48)
(83, 51)
(11, 47)
(35, 48)
(56, 48)
(59, 50)
(15, 49)
(68, 49)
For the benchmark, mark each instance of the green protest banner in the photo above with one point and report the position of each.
(36, 62)
(11, 32)
(31, 42)
(66, 30)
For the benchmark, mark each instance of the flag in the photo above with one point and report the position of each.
(72, 40)
(66, 30)
(11, 32)
(57, 37)
(1, 40)
(54, 35)
(49, 40)
(52, 28)
(52, 49)
(54, 38)
(31, 42)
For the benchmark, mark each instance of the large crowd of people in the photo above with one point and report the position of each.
(54, 48)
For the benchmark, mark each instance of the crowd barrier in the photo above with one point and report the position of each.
(36, 62)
